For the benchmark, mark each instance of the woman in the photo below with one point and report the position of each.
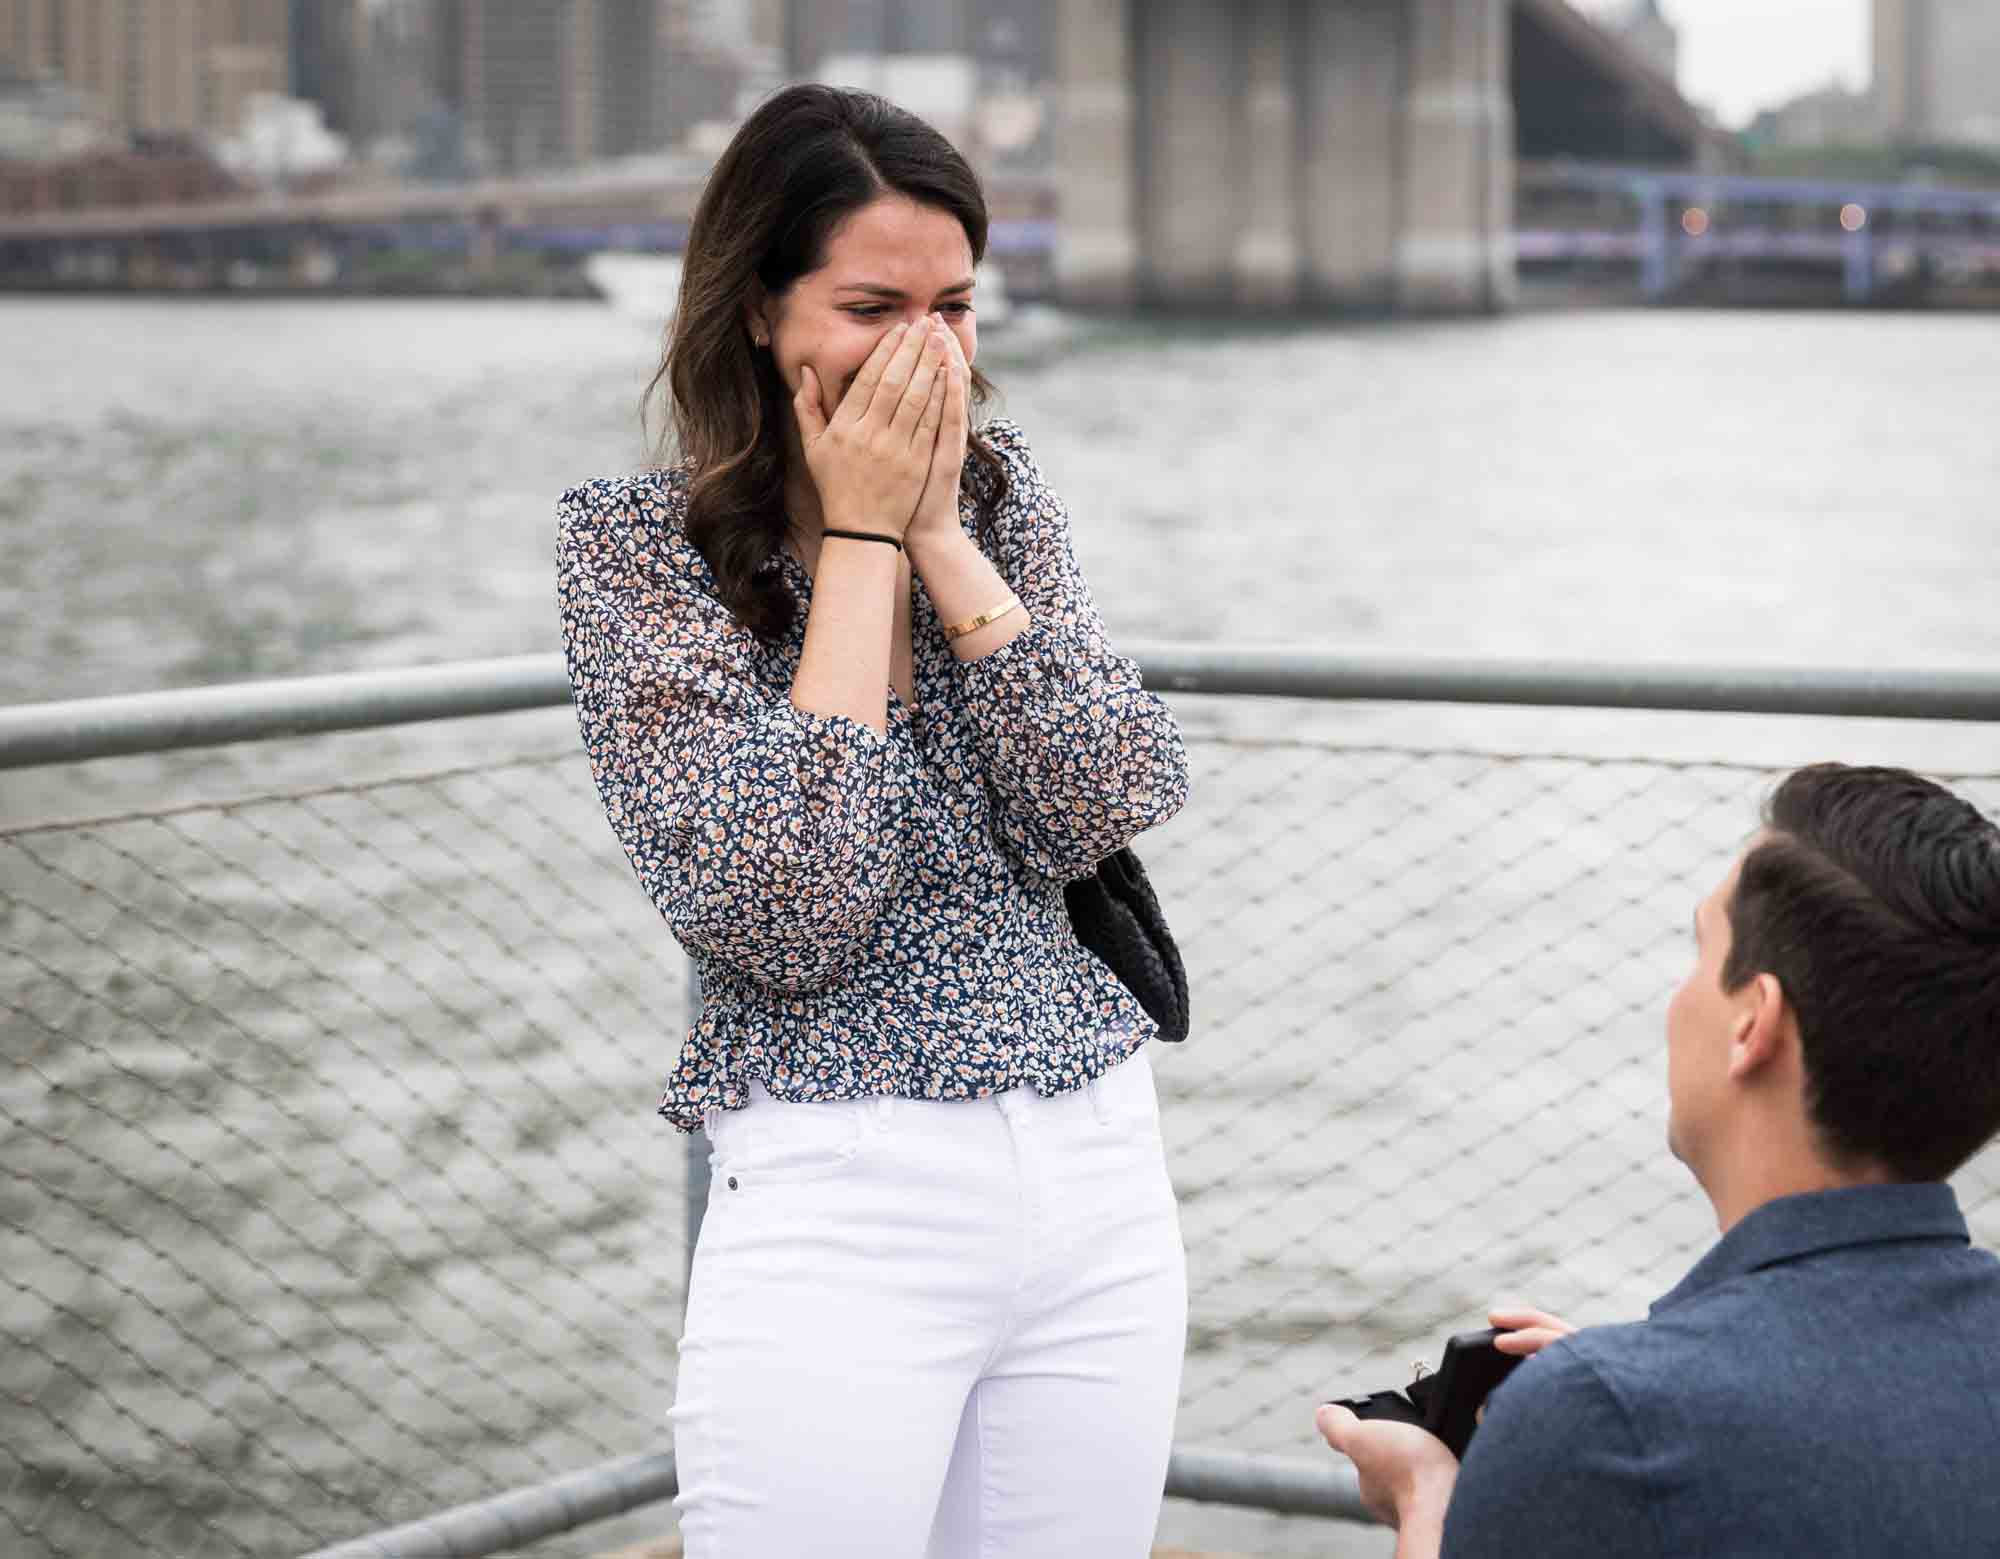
(853, 717)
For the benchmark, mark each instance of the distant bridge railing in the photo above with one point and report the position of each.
(1667, 225)
(335, 1205)
(1675, 222)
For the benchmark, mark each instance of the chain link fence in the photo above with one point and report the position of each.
(334, 1198)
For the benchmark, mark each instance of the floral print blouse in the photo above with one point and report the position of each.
(870, 914)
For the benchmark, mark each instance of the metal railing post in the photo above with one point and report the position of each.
(1858, 263)
(1655, 257)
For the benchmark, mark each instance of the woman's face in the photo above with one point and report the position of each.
(889, 263)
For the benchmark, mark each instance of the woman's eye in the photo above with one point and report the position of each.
(877, 310)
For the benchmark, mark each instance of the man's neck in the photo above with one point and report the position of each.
(1738, 1191)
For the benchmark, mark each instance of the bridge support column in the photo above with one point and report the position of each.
(1350, 130)
(1351, 152)
(1097, 239)
(1455, 250)
(1190, 168)
(1268, 242)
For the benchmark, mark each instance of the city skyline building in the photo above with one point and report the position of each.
(329, 62)
(715, 54)
(154, 67)
(1011, 33)
(451, 88)
(43, 118)
(1832, 115)
(1645, 28)
(554, 84)
(1937, 71)
(979, 74)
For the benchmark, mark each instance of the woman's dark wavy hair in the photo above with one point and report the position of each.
(800, 165)
(1874, 897)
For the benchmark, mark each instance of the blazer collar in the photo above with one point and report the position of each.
(1815, 1221)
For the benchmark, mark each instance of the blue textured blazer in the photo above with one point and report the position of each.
(1825, 1382)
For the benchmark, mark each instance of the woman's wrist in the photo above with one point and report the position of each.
(931, 548)
(864, 518)
(844, 667)
(872, 561)
(966, 591)
(880, 538)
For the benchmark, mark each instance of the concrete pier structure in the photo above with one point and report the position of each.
(1097, 177)
(1454, 247)
(1272, 152)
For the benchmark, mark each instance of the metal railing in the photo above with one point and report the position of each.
(72, 732)
(334, 1199)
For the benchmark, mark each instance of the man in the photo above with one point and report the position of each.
(1826, 1381)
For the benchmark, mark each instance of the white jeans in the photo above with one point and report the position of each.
(947, 1329)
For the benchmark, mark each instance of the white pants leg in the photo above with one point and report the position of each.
(934, 1330)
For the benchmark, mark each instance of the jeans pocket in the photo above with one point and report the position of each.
(772, 1142)
(1125, 1099)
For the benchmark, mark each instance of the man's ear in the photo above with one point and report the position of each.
(1761, 1028)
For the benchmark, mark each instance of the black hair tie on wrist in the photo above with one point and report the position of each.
(864, 535)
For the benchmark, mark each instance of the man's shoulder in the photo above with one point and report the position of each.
(1597, 1443)
(1834, 1329)
(1715, 1346)
(1557, 1468)
(1621, 1352)
(1644, 1381)
(1807, 1323)
(1839, 1405)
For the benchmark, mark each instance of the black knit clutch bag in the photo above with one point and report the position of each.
(1117, 916)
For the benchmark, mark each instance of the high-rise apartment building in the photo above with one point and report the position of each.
(979, 73)
(1937, 71)
(84, 43)
(26, 33)
(154, 66)
(629, 111)
(819, 30)
(553, 83)
(1013, 34)
(330, 58)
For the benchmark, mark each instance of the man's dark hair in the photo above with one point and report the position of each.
(1874, 897)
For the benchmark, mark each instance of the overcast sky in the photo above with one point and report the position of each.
(1738, 56)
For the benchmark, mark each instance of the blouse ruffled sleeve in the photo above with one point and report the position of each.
(768, 838)
(1081, 757)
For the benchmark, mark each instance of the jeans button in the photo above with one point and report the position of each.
(732, 1182)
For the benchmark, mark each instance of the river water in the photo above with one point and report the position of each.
(197, 492)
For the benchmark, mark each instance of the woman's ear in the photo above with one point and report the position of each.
(757, 315)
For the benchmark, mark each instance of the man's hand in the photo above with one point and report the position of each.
(1406, 1475)
(1524, 1330)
